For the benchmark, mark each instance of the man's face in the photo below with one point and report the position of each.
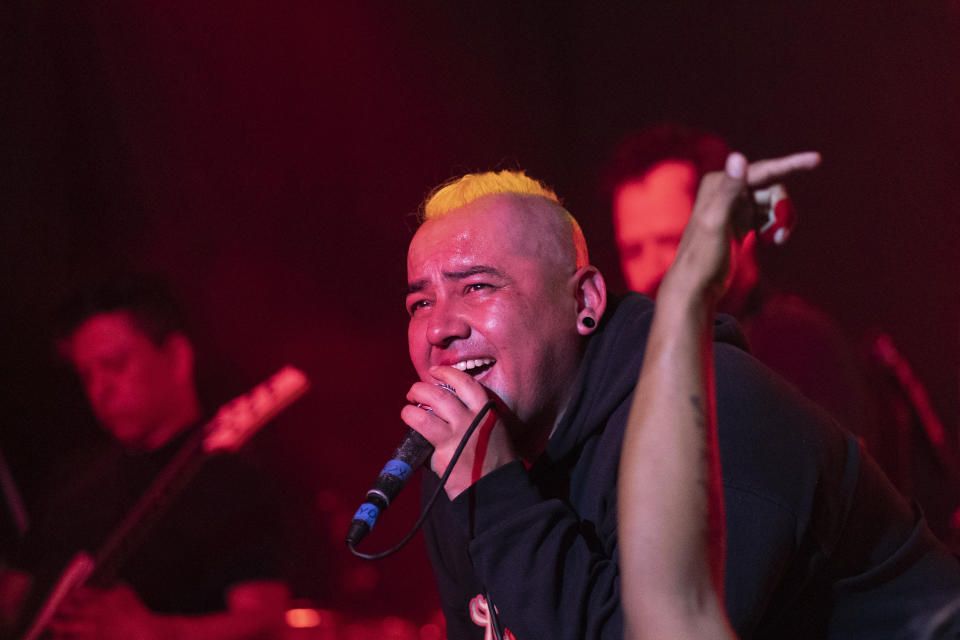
(128, 380)
(488, 295)
(649, 215)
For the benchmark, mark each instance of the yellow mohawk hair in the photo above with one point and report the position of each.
(460, 192)
(464, 190)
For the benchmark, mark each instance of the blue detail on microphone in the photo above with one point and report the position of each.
(397, 468)
(411, 453)
(367, 513)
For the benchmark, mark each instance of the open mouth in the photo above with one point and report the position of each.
(475, 367)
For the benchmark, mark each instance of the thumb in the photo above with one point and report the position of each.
(726, 184)
(717, 194)
(736, 166)
(736, 182)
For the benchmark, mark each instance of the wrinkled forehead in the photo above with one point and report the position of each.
(108, 327)
(104, 335)
(496, 227)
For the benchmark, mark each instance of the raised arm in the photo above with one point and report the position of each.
(671, 536)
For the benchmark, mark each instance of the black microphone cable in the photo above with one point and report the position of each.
(433, 498)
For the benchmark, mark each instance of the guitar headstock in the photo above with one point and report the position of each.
(238, 420)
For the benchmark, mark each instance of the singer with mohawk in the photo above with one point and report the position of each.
(504, 304)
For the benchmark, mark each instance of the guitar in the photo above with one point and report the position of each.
(232, 426)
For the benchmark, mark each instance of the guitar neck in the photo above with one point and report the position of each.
(101, 570)
(232, 426)
(151, 506)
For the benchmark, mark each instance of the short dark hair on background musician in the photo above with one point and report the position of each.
(642, 150)
(147, 298)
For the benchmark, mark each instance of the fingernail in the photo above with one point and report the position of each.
(736, 166)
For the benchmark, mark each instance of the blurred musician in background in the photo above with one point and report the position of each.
(211, 567)
(651, 182)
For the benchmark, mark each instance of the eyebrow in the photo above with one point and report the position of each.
(420, 285)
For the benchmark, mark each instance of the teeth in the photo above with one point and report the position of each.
(464, 365)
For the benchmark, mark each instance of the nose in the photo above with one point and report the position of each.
(447, 324)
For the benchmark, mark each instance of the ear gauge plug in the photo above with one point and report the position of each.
(589, 322)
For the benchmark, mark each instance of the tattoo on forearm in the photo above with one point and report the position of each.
(700, 415)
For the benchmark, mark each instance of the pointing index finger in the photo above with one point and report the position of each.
(765, 172)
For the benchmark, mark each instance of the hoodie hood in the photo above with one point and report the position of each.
(610, 367)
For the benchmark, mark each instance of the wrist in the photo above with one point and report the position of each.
(463, 478)
(686, 307)
(688, 290)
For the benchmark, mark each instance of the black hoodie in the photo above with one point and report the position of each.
(819, 545)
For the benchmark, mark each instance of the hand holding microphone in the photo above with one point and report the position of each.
(776, 216)
(433, 403)
(454, 398)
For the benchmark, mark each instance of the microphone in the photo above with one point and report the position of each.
(409, 456)
(776, 216)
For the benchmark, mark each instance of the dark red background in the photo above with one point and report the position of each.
(266, 157)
